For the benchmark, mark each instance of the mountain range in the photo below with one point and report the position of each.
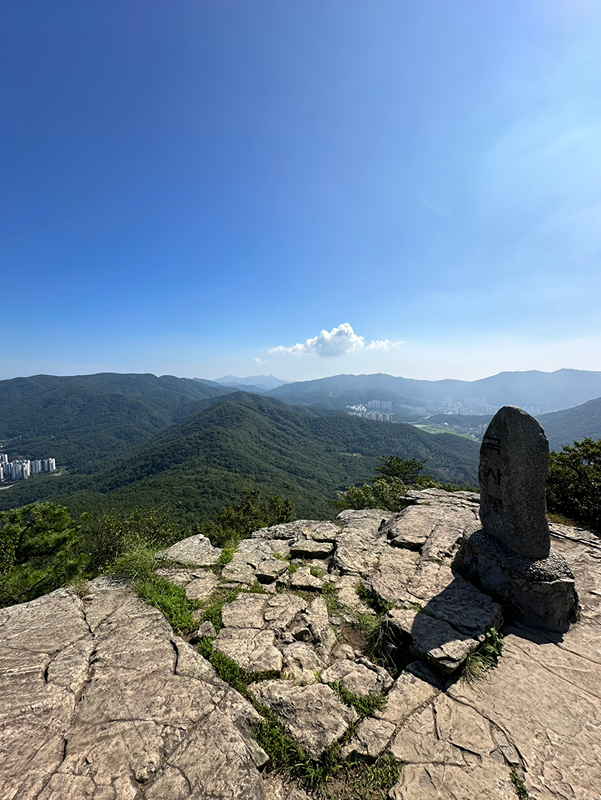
(205, 461)
(262, 382)
(536, 392)
(84, 418)
(561, 427)
(140, 439)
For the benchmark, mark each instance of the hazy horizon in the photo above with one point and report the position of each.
(244, 377)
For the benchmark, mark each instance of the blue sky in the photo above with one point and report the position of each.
(300, 188)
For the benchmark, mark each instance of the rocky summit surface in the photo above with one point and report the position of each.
(101, 700)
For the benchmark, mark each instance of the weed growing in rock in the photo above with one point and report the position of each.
(136, 565)
(519, 785)
(373, 600)
(170, 600)
(227, 555)
(484, 657)
(379, 639)
(370, 781)
(80, 588)
(212, 610)
(290, 759)
(364, 706)
(229, 671)
(333, 604)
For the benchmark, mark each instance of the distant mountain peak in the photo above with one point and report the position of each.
(265, 382)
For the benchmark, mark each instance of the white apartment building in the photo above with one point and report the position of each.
(21, 469)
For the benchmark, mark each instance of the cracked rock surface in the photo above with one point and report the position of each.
(101, 701)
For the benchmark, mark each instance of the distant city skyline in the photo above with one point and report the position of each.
(302, 189)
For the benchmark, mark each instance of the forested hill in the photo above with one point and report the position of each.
(205, 461)
(573, 424)
(132, 384)
(85, 418)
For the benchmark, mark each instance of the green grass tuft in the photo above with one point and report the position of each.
(519, 785)
(170, 600)
(374, 601)
(377, 634)
(372, 781)
(484, 657)
(288, 758)
(229, 671)
(364, 706)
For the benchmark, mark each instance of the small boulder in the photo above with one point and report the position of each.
(371, 738)
(269, 570)
(246, 611)
(195, 551)
(431, 639)
(251, 649)
(207, 629)
(308, 548)
(361, 679)
(313, 714)
(302, 579)
(302, 662)
(282, 609)
(201, 587)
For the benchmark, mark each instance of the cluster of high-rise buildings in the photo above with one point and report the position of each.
(368, 412)
(468, 407)
(21, 469)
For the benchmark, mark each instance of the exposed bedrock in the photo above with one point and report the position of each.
(101, 701)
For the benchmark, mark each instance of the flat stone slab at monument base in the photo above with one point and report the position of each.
(540, 593)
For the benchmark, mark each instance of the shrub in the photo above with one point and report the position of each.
(40, 550)
(574, 483)
(109, 534)
(388, 488)
(252, 512)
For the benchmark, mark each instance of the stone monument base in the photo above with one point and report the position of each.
(539, 593)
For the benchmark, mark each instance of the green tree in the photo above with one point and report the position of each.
(251, 513)
(405, 471)
(111, 533)
(574, 483)
(388, 488)
(40, 550)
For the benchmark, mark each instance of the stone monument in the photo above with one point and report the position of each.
(514, 459)
(510, 555)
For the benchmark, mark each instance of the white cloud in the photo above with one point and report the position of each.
(337, 342)
(382, 344)
(259, 361)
